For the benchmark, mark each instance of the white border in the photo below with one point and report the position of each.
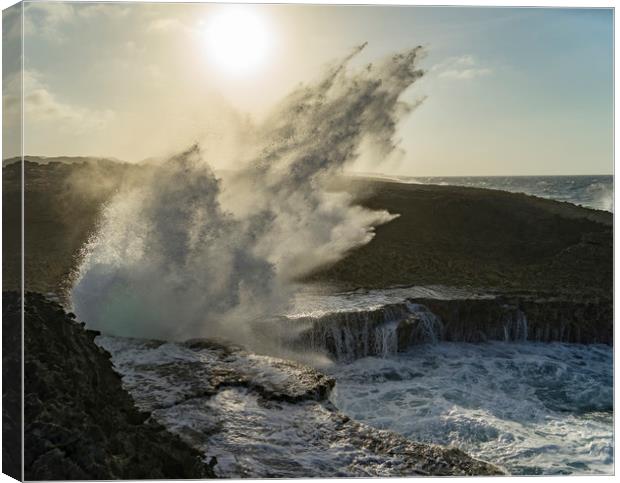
(479, 3)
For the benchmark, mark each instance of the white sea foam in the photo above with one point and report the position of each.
(602, 195)
(247, 420)
(311, 301)
(530, 407)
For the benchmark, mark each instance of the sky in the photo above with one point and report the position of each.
(506, 91)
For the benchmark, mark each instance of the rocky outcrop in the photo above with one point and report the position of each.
(385, 330)
(11, 385)
(381, 331)
(527, 317)
(478, 238)
(79, 421)
(265, 417)
(445, 235)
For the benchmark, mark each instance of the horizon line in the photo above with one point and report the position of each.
(358, 173)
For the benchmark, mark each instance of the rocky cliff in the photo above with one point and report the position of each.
(396, 327)
(79, 421)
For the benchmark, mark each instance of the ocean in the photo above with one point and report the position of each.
(530, 408)
(533, 408)
(590, 191)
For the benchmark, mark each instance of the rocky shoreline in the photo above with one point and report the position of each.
(395, 327)
(82, 424)
(545, 269)
(545, 319)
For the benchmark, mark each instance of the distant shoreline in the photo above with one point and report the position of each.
(78, 159)
(480, 176)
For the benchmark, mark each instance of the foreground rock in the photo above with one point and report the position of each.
(264, 417)
(79, 421)
(11, 386)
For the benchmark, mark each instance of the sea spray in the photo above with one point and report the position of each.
(166, 258)
(308, 138)
(178, 254)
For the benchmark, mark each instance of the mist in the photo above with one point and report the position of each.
(182, 253)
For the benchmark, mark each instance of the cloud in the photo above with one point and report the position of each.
(42, 106)
(11, 23)
(90, 10)
(165, 25)
(168, 25)
(48, 18)
(465, 67)
(465, 73)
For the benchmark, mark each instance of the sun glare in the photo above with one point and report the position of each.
(237, 41)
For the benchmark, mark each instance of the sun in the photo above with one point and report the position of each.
(237, 40)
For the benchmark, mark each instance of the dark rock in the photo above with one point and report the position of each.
(396, 327)
(547, 319)
(79, 421)
(479, 238)
(11, 385)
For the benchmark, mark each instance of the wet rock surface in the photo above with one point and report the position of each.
(527, 317)
(163, 374)
(79, 421)
(260, 416)
(396, 327)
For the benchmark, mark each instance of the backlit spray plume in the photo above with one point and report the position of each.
(179, 254)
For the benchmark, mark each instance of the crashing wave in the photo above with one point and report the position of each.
(180, 253)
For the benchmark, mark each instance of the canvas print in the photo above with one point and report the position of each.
(306, 241)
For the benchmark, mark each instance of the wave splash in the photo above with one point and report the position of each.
(382, 332)
(179, 253)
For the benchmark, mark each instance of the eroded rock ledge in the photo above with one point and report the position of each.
(260, 416)
(396, 327)
(521, 317)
